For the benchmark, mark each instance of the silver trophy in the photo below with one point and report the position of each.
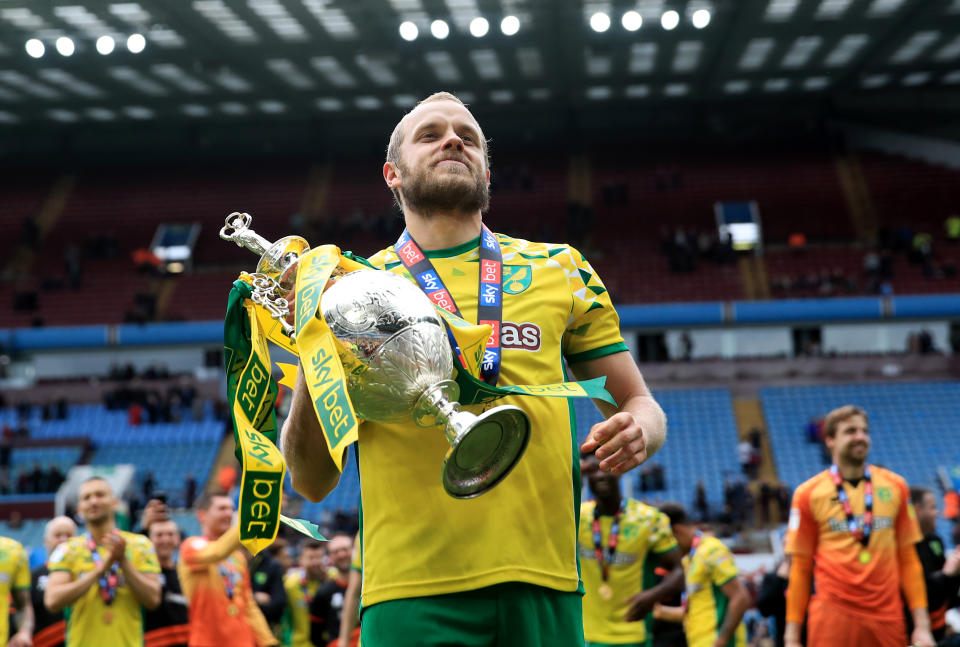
(405, 365)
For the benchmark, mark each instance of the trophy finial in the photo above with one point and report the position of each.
(237, 229)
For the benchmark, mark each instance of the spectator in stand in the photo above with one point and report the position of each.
(951, 227)
(797, 242)
(50, 628)
(189, 490)
(746, 455)
(350, 618)
(700, 503)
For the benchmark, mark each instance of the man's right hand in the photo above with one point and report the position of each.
(154, 511)
(118, 547)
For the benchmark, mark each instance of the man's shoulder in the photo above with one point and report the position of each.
(817, 480)
(383, 258)
(9, 544)
(135, 539)
(890, 477)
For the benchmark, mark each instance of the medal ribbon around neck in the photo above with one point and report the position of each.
(305, 587)
(612, 541)
(109, 580)
(228, 578)
(697, 538)
(860, 532)
(489, 293)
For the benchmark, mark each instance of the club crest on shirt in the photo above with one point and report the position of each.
(516, 278)
(884, 494)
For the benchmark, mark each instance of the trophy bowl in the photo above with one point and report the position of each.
(400, 358)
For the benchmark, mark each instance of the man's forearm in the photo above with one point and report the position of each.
(64, 594)
(921, 619)
(651, 418)
(733, 616)
(144, 586)
(312, 470)
(25, 615)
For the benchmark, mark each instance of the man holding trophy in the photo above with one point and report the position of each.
(456, 561)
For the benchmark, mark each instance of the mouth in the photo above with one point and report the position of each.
(451, 161)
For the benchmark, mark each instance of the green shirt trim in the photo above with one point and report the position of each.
(603, 351)
(448, 252)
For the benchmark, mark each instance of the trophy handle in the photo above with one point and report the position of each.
(483, 449)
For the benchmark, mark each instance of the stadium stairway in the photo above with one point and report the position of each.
(856, 192)
(21, 259)
(748, 413)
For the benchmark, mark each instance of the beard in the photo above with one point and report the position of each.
(428, 190)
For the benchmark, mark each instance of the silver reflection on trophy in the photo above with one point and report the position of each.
(405, 362)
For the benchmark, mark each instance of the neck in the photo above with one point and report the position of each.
(98, 529)
(608, 505)
(848, 470)
(167, 562)
(442, 230)
(212, 534)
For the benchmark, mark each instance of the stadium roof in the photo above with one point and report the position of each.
(234, 63)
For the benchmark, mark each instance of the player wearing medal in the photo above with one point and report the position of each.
(501, 567)
(15, 583)
(302, 585)
(852, 526)
(104, 577)
(213, 576)
(714, 600)
(619, 541)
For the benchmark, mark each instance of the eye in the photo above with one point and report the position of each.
(427, 135)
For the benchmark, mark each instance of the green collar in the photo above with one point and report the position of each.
(454, 251)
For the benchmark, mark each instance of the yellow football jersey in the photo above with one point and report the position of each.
(525, 529)
(643, 531)
(90, 621)
(707, 571)
(299, 607)
(14, 574)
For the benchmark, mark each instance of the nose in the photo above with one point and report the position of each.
(453, 142)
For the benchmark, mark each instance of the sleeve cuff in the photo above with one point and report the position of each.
(603, 351)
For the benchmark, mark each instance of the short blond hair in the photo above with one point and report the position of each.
(835, 417)
(396, 137)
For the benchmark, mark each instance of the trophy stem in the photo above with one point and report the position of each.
(483, 449)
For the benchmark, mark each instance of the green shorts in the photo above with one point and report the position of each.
(504, 615)
(590, 644)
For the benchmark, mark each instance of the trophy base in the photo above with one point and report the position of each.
(485, 451)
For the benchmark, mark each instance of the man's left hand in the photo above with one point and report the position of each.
(640, 605)
(619, 443)
(922, 638)
(20, 639)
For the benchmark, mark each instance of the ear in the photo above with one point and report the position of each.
(391, 175)
(488, 176)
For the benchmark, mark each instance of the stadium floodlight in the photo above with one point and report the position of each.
(105, 45)
(669, 20)
(408, 31)
(136, 43)
(700, 18)
(510, 25)
(440, 29)
(600, 22)
(479, 27)
(65, 46)
(35, 48)
(631, 21)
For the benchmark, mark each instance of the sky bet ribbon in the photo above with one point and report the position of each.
(252, 393)
(489, 293)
